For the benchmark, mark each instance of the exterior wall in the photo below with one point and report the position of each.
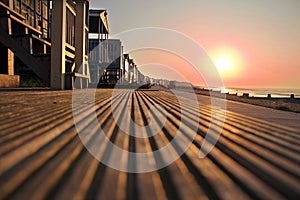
(115, 58)
(35, 13)
(81, 31)
(98, 55)
(94, 62)
(114, 66)
(81, 43)
(33, 25)
(114, 49)
(69, 46)
(34, 19)
(106, 61)
(58, 67)
(126, 69)
(26, 34)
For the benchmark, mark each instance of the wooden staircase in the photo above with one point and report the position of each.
(25, 41)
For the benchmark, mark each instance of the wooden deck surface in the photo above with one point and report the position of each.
(42, 157)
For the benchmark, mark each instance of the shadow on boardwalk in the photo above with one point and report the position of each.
(42, 156)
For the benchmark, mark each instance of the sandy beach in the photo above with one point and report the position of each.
(284, 104)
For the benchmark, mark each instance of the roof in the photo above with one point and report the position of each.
(97, 12)
(126, 56)
(98, 17)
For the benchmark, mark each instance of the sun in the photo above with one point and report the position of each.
(228, 61)
(224, 64)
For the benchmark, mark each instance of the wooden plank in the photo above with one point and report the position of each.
(42, 156)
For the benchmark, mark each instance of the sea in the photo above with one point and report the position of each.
(261, 92)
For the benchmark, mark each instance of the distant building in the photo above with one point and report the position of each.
(98, 24)
(115, 68)
(131, 71)
(107, 62)
(126, 73)
(172, 84)
(98, 54)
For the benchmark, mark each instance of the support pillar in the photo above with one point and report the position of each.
(81, 36)
(10, 3)
(58, 67)
(135, 74)
(10, 62)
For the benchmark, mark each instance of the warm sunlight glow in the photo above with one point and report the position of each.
(223, 64)
(228, 62)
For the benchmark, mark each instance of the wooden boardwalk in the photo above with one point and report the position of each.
(42, 157)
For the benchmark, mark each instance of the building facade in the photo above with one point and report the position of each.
(114, 69)
(98, 56)
(48, 37)
(62, 43)
(106, 61)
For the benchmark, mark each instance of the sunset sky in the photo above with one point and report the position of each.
(254, 43)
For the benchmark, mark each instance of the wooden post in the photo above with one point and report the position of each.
(10, 62)
(246, 95)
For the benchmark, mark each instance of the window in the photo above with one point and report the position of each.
(28, 11)
(17, 6)
(70, 33)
